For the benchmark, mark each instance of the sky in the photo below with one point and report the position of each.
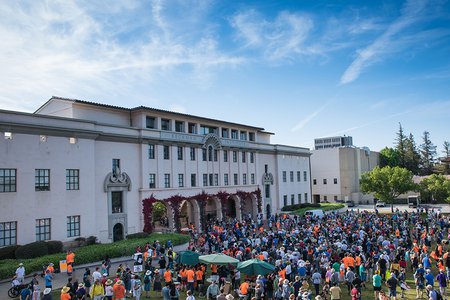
(300, 69)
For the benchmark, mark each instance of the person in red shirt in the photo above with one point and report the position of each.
(119, 290)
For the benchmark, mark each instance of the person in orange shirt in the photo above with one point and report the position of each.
(65, 293)
(70, 257)
(50, 268)
(199, 278)
(69, 269)
(119, 290)
(167, 276)
(213, 269)
(282, 273)
(244, 287)
(190, 276)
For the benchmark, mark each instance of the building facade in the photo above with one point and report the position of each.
(336, 173)
(332, 142)
(75, 169)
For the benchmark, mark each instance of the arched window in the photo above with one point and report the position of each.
(210, 153)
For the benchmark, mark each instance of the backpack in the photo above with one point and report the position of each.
(147, 279)
(438, 296)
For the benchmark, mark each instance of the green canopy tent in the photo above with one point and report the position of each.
(187, 257)
(255, 267)
(218, 259)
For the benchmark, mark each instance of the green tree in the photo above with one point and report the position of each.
(401, 146)
(412, 155)
(435, 187)
(445, 161)
(427, 155)
(387, 183)
(159, 211)
(389, 157)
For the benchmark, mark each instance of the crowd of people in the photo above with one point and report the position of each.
(315, 258)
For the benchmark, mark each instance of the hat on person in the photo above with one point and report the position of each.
(81, 285)
(108, 282)
(420, 265)
(47, 291)
(65, 290)
(119, 281)
(148, 272)
(21, 265)
(429, 287)
(105, 274)
(229, 297)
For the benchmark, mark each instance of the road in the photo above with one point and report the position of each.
(60, 279)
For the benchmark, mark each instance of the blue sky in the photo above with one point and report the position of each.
(300, 69)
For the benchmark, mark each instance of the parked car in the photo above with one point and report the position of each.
(314, 213)
(380, 204)
(350, 203)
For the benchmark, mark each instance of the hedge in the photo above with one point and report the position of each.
(55, 247)
(299, 206)
(139, 235)
(8, 252)
(88, 254)
(32, 250)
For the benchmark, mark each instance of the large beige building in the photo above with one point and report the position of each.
(75, 168)
(336, 172)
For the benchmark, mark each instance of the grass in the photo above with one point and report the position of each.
(323, 206)
(89, 254)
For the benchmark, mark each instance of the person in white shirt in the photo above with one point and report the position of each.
(96, 275)
(20, 273)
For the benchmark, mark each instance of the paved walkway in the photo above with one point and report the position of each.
(60, 279)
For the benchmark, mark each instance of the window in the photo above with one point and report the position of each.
(204, 154)
(8, 135)
(284, 176)
(205, 179)
(267, 190)
(205, 129)
(72, 179)
(193, 180)
(167, 180)
(251, 136)
(116, 202)
(73, 226)
(43, 229)
(335, 180)
(192, 128)
(225, 133)
(179, 126)
(115, 165)
(284, 200)
(244, 135)
(305, 176)
(244, 179)
(306, 197)
(166, 152)
(216, 179)
(150, 122)
(299, 196)
(335, 198)
(252, 157)
(210, 153)
(192, 153)
(165, 124)
(291, 176)
(292, 199)
(325, 198)
(243, 156)
(299, 176)
(151, 151)
(314, 181)
(152, 181)
(234, 156)
(180, 180)
(324, 181)
(7, 180)
(266, 168)
(42, 180)
(236, 179)
(225, 156)
(234, 134)
(215, 155)
(225, 179)
(252, 178)
(8, 233)
(211, 178)
(180, 153)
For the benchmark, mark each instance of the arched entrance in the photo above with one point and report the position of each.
(118, 232)
(268, 211)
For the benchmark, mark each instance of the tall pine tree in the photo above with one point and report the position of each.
(401, 147)
(446, 158)
(412, 155)
(427, 155)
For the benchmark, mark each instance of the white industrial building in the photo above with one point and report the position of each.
(336, 172)
(75, 169)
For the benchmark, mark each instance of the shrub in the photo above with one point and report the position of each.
(55, 247)
(139, 235)
(91, 240)
(299, 206)
(32, 250)
(8, 252)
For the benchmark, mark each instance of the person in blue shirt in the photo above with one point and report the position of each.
(25, 294)
(48, 279)
(429, 278)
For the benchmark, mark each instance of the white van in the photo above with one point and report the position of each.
(314, 213)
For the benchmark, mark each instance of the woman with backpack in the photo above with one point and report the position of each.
(147, 283)
(137, 287)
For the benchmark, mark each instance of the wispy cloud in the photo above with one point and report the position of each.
(410, 14)
(310, 117)
(75, 49)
